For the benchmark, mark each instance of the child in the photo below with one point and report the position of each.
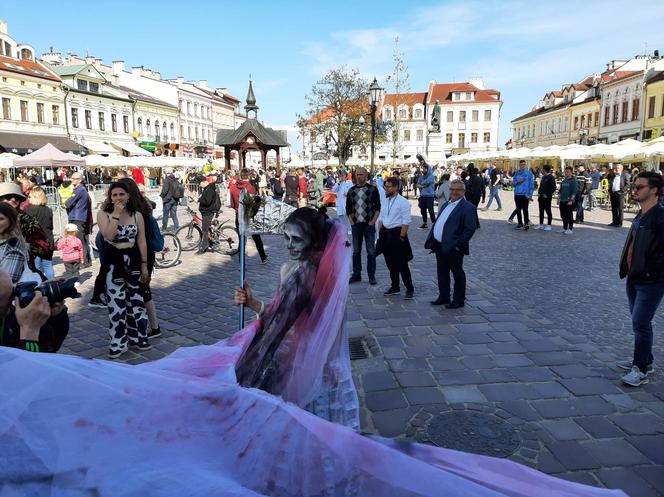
(72, 251)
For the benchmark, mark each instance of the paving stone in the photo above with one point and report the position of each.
(417, 352)
(554, 408)
(564, 429)
(507, 391)
(551, 358)
(388, 342)
(378, 380)
(511, 360)
(478, 362)
(415, 379)
(445, 364)
(496, 375)
(458, 378)
(589, 386)
(654, 475)
(506, 347)
(455, 395)
(521, 409)
(621, 401)
(409, 365)
(507, 325)
(547, 463)
(650, 446)
(573, 371)
(391, 423)
(393, 353)
(592, 405)
(626, 480)
(615, 452)
(541, 345)
(573, 456)
(550, 390)
(470, 328)
(475, 349)
(531, 373)
(638, 424)
(599, 427)
(583, 477)
(474, 338)
(424, 396)
(385, 400)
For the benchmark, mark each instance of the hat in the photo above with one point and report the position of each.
(71, 227)
(11, 189)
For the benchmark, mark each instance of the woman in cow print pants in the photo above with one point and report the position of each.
(125, 252)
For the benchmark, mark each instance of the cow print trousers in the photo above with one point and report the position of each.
(128, 320)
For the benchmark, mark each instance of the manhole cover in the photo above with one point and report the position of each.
(473, 432)
(358, 349)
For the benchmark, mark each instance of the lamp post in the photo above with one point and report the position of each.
(375, 92)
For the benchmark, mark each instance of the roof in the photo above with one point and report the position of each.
(350, 107)
(27, 68)
(69, 70)
(409, 99)
(541, 110)
(24, 141)
(659, 76)
(265, 136)
(585, 101)
(137, 95)
(443, 93)
(619, 75)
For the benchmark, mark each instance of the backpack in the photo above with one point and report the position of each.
(155, 240)
(277, 189)
(178, 190)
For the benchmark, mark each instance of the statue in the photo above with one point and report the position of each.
(435, 117)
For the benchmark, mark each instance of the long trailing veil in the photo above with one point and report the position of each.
(183, 426)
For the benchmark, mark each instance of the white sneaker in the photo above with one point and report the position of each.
(547, 228)
(635, 377)
(561, 231)
(538, 227)
(568, 232)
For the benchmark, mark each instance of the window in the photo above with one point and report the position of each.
(196, 131)
(469, 95)
(456, 96)
(157, 131)
(189, 135)
(88, 119)
(403, 114)
(635, 109)
(40, 113)
(6, 108)
(55, 110)
(473, 138)
(450, 117)
(148, 128)
(576, 122)
(24, 110)
(180, 108)
(102, 123)
(94, 87)
(462, 140)
(74, 118)
(173, 132)
(596, 118)
(418, 113)
(487, 115)
(663, 106)
(81, 84)
(624, 112)
(462, 116)
(114, 123)
(651, 107)
(419, 135)
(140, 126)
(406, 135)
(448, 138)
(487, 137)
(476, 116)
(196, 110)
(615, 113)
(125, 122)
(606, 115)
(189, 108)
(164, 131)
(388, 114)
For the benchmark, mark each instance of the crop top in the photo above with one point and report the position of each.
(126, 233)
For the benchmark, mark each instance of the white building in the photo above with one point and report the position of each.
(225, 108)
(196, 128)
(404, 115)
(469, 118)
(32, 111)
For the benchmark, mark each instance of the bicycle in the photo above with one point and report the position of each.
(170, 256)
(223, 238)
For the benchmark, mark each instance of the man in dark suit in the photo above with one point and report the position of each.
(617, 187)
(449, 239)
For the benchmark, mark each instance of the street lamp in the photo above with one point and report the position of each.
(583, 133)
(375, 92)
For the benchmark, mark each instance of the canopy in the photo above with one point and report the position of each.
(49, 156)
(98, 147)
(132, 149)
(7, 160)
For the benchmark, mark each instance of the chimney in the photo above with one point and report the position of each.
(89, 59)
(657, 54)
(203, 83)
(222, 91)
(118, 67)
(180, 80)
(136, 71)
(3, 27)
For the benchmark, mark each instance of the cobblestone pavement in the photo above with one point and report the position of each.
(533, 349)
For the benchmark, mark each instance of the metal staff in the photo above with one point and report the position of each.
(242, 227)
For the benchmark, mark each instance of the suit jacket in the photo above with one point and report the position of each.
(458, 230)
(623, 183)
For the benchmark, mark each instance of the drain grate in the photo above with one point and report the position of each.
(358, 349)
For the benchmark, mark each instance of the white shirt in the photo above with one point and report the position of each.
(616, 183)
(442, 219)
(341, 189)
(394, 212)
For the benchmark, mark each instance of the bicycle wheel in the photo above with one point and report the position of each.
(229, 241)
(190, 236)
(170, 256)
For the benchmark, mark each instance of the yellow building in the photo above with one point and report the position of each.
(584, 121)
(653, 124)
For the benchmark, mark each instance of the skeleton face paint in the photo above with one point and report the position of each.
(298, 242)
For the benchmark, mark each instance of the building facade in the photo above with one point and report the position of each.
(653, 122)
(196, 127)
(621, 98)
(405, 126)
(32, 100)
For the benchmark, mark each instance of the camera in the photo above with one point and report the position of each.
(54, 291)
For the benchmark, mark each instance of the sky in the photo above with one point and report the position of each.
(522, 49)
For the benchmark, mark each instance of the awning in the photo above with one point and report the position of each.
(101, 148)
(149, 146)
(132, 149)
(26, 143)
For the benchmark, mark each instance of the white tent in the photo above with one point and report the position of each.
(49, 156)
(7, 160)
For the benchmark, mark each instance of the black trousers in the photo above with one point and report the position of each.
(579, 208)
(567, 215)
(617, 207)
(258, 241)
(206, 222)
(397, 262)
(476, 203)
(446, 264)
(522, 202)
(544, 207)
(426, 204)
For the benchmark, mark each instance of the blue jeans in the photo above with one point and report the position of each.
(363, 232)
(644, 299)
(170, 210)
(494, 194)
(45, 267)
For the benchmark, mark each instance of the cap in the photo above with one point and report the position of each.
(11, 188)
(71, 227)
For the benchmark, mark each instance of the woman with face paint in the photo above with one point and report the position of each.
(300, 347)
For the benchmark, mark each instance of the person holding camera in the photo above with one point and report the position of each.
(36, 326)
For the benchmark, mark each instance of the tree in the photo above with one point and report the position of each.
(335, 104)
(399, 81)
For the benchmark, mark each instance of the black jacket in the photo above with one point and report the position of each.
(475, 187)
(648, 251)
(547, 186)
(209, 200)
(51, 335)
(168, 188)
(623, 183)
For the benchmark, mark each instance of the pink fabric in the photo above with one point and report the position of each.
(71, 247)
